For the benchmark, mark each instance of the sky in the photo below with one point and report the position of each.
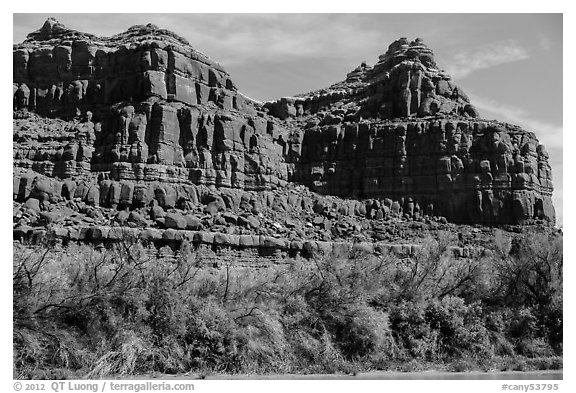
(510, 65)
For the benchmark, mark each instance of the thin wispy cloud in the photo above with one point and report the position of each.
(548, 134)
(235, 39)
(251, 38)
(471, 60)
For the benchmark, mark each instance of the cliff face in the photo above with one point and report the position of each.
(146, 107)
(59, 70)
(404, 131)
(127, 115)
(470, 171)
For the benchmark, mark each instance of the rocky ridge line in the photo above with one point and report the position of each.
(142, 121)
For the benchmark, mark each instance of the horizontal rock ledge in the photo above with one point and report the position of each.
(221, 241)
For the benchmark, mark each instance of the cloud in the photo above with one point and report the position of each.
(549, 134)
(471, 60)
(235, 39)
(240, 39)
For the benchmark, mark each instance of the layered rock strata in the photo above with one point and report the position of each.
(247, 248)
(404, 131)
(141, 119)
(470, 171)
(147, 107)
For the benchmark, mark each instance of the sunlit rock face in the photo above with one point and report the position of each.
(142, 116)
(159, 110)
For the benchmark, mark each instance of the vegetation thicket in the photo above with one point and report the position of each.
(88, 312)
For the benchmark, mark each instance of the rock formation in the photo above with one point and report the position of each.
(142, 130)
(403, 131)
(147, 107)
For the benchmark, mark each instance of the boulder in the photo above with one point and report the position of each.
(157, 212)
(193, 223)
(33, 205)
(150, 235)
(249, 221)
(175, 221)
(137, 219)
(122, 217)
(42, 189)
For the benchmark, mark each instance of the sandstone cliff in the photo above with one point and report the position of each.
(146, 107)
(140, 130)
(404, 131)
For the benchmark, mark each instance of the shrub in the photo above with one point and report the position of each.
(126, 310)
(461, 327)
(412, 331)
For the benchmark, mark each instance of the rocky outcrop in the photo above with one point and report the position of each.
(466, 170)
(147, 107)
(142, 120)
(245, 248)
(57, 70)
(405, 82)
(292, 212)
(403, 131)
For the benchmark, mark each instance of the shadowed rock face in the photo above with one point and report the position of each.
(142, 117)
(403, 130)
(472, 171)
